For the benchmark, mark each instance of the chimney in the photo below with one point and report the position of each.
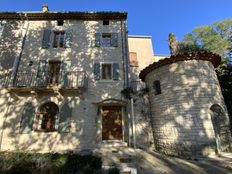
(45, 8)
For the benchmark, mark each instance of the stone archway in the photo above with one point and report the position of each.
(221, 128)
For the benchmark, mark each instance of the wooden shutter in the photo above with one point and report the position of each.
(114, 41)
(42, 74)
(133, 59)
(96, 70)
(68, 38)
(65, 118)
(97, 39)
(46, 39)
(115, 71)
(27, 118)
(65, 73)
(2, 24)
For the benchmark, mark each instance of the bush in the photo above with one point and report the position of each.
(113, 171)
(28, 163)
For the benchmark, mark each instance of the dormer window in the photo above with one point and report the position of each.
(60, 22)
(106, 22)
(58, 39)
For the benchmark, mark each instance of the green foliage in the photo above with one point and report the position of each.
(27, 163)
(127, 92)
(216, 38)
(113, 170)
(185, 48)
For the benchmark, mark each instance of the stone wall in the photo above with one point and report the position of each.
(86, 125)
(181, 118)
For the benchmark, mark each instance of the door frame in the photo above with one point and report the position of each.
(123, 128)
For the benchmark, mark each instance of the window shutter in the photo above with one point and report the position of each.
(65, 72)
(42, 74)
(28, 114)
(46, 39)
(68, 38)
(2, 24)
(97, 39)
(114, 41)
(115, 71)
(65, 118)
(97, 75)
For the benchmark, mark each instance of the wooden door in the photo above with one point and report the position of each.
(111, 123)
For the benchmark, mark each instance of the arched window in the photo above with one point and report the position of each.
(156, 86)
(46, 117)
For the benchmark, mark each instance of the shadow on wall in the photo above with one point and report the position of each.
(181, 119)
(83, 54)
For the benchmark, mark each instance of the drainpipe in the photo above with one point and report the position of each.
(22, 42)
(133, 122)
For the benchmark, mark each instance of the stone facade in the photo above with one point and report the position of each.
(21, 49)
(181, 113)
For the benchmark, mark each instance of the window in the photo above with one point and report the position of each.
(60, 22)
(133, 59)
(46, 117)
(106, 71)
(106, 40)
(106, 22)
(157, 88)
(58, 39)
(54, 70)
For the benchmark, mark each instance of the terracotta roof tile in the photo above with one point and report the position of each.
(201, 55)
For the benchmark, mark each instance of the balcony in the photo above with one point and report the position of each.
(45, 81)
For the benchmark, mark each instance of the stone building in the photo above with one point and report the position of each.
(188, 113)
(62, 74)
(62, 79)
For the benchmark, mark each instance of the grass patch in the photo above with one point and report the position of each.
(36, 163)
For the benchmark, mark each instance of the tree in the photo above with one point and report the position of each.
(173, 43)
(216, 38)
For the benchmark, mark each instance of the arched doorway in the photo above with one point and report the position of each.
(221, 128)
(46, 117)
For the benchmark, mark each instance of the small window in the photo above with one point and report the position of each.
(53, 71)
(30, 63)
(60, 22)
(58, 39)
(46, 117)
(106, 40)
(106, 22)
(106, 71)
(157, 88)
(133, 59)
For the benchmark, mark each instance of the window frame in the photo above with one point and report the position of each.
(106, 22)
(135, 64)
(37, 126)
(157, 87)
(59, 38)
(101, 65)
(110, 38)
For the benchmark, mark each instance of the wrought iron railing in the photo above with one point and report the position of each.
(28, 79)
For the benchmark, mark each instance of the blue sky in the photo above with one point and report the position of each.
(145, 17)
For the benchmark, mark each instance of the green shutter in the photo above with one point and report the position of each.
(68, 38)
(42, 74)
(115, 71)
(114, 41)
(65, 72)
(96, 71)
(27, 118)
(65, 118)
(97, 39)
(2, 24)
(46, 39)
